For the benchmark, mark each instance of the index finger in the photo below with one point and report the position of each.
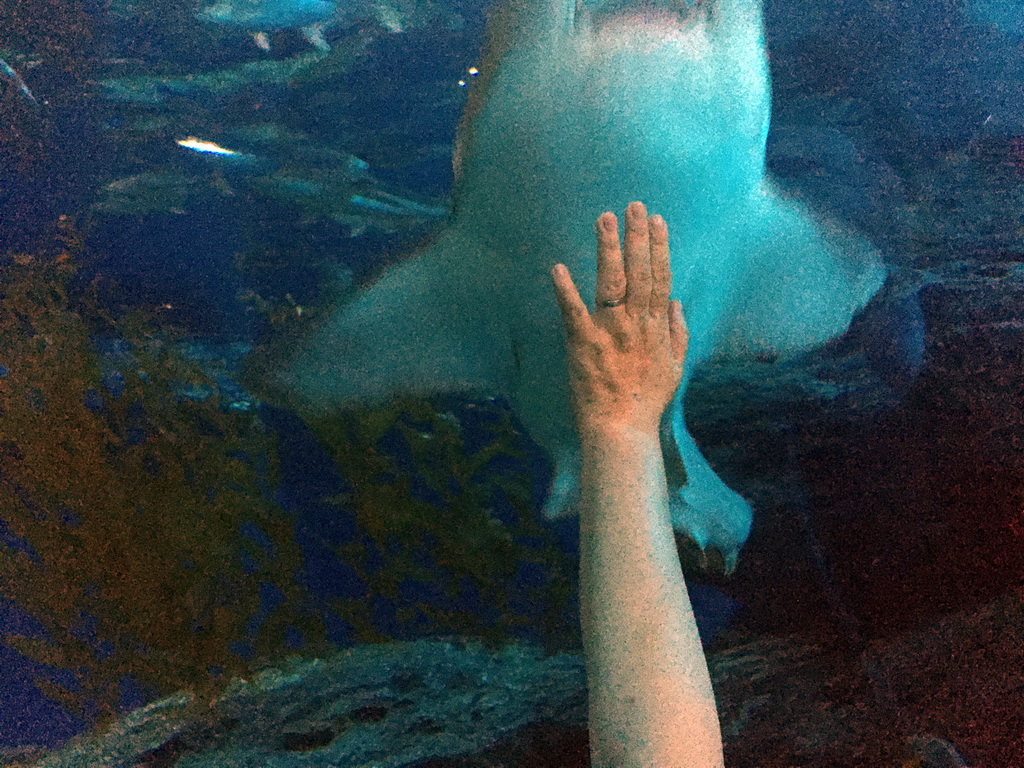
(575, 317)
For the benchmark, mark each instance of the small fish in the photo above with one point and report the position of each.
(322, 182)
(933, 752)
(9, 77)
(23, 134)
(230, 157)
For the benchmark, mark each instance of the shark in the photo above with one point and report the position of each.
(312, 17)
(262, 16)
(581, 107)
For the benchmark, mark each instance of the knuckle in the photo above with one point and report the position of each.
(616, 286)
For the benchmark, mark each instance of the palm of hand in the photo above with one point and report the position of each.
(625, 359)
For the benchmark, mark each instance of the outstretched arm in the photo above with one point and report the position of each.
(651, 702)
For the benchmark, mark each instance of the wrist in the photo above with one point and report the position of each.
(597, 430)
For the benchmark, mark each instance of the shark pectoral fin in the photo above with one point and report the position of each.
(703, 509)
(563, 497)
(422, 328)
(672, 419)
(802, 282)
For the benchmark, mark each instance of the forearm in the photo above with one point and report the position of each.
(651, 702)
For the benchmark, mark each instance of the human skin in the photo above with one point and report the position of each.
(650, 697)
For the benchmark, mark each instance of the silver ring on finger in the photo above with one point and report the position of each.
(612, 302)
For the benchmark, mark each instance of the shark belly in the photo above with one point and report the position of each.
(582, 110)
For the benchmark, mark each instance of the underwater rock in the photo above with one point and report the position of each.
(386, 706)
(452, 703)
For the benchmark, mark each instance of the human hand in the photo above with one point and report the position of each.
(626, 358)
